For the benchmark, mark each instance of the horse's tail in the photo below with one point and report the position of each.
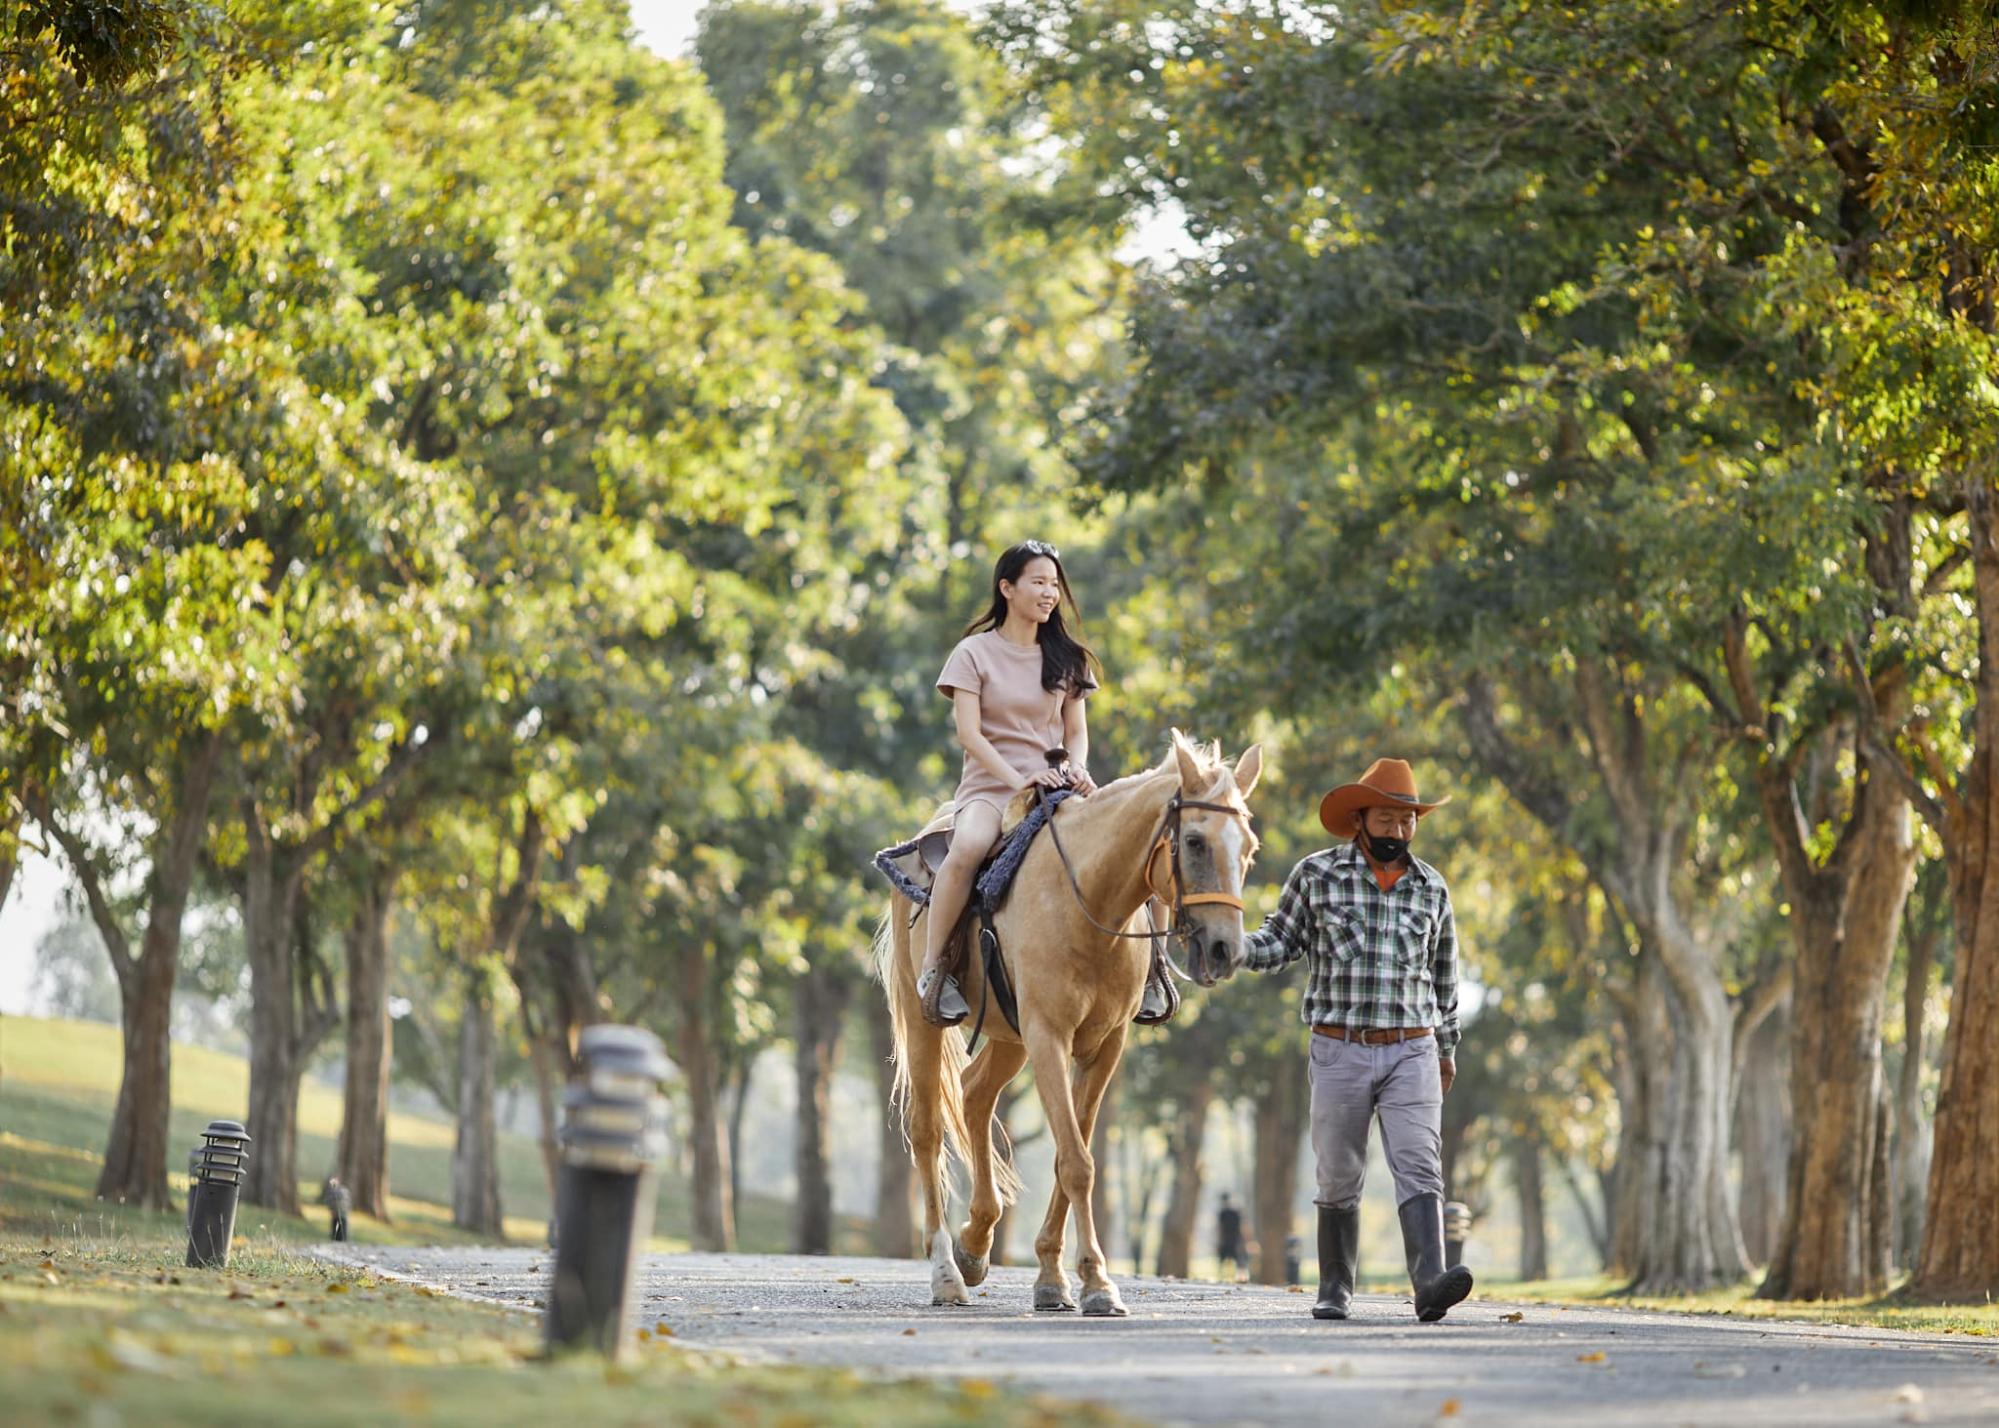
(897, 970)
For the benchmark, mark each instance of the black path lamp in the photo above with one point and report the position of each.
(613, 1135)
(217, 1167)
(1457, 1229)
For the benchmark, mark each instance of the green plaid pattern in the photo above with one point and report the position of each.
(1377, 959)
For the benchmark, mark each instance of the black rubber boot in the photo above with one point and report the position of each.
(1437, 1288)
(1339, 1247)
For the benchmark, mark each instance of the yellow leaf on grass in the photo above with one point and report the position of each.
(336, 1288)
(978, 1388)
(280, 1348)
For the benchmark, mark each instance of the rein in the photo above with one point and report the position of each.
(1167, 833)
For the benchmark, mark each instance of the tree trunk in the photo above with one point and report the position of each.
(1280, 1130)
(1960, 1245)
(1846, 934)
(1676, 1227)
(820, 999)
(713, 1211)
(135, 1153)
(1591, 1212)
(1190, 1130)
(740, 1075)
(475, 1160)
(1880, 1246)
(1912, 1127)
(1533, 1207)
(135, 1158)
(292, 1008)
(364, 1120)
(543, 1054)
(895, 1184)
(1763, 1135)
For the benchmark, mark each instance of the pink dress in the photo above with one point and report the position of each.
(1021, 719)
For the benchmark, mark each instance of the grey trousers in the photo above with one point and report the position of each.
(1351, 1084)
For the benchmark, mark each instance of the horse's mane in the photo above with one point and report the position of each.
(1207, 757)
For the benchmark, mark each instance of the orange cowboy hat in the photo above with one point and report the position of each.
(1387, 782)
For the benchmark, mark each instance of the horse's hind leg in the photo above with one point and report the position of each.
(925, 1050)
(988, 1075)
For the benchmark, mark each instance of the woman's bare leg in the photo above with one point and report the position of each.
(972, 837)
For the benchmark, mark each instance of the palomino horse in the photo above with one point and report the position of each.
(1182, 830)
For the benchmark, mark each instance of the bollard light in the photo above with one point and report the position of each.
(613, 1135)
(218, 1165)
(1457, 1229)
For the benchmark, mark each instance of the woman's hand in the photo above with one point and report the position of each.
(1079, 779)
(1044, 778)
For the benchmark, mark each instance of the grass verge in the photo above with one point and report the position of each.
(1738, 1301)
(107, 1332)
(59, 1082)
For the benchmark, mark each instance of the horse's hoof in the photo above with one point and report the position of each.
(972, 1268)
(1104, 1304)
(950, 1299)
(1050, 1298)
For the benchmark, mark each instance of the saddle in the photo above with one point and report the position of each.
(911, 868)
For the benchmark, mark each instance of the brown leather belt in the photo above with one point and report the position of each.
(1371, 1035)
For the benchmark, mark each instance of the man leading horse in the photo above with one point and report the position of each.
(1374, 926)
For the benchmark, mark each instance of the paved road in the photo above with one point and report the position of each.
(1210, 1353)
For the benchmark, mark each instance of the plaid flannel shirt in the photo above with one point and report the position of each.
(1376, 959)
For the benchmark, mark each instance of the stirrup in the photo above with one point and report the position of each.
(1159, 989)
(931, 989)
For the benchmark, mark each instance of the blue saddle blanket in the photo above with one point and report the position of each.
(996, 875)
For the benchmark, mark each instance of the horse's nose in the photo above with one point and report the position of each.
(1220, 958)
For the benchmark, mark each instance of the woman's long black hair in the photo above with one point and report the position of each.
(1065, 659)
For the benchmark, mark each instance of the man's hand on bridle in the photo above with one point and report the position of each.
(1447, 1071)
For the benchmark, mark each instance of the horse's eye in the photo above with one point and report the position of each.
(1195, 840)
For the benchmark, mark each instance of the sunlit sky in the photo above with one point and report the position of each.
(666, 25)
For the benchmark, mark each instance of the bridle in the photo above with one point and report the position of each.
(1167, 834)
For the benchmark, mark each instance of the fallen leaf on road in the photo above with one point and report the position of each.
(845, 1279)
(1707, 1370)
(909, 1333)
(1513, 1318)
(1908, 1393)
(663, 1329)
(1449, 1409)
(1595, 1358)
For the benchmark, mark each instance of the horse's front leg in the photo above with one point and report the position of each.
(1048, 1051)
(998, 1063)
(1100, 1296)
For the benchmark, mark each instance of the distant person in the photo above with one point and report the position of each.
(340, 1201)
(1229, 1245)
(1375, 928)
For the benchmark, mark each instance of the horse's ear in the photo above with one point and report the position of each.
(1248, 769)
(1190, 766)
